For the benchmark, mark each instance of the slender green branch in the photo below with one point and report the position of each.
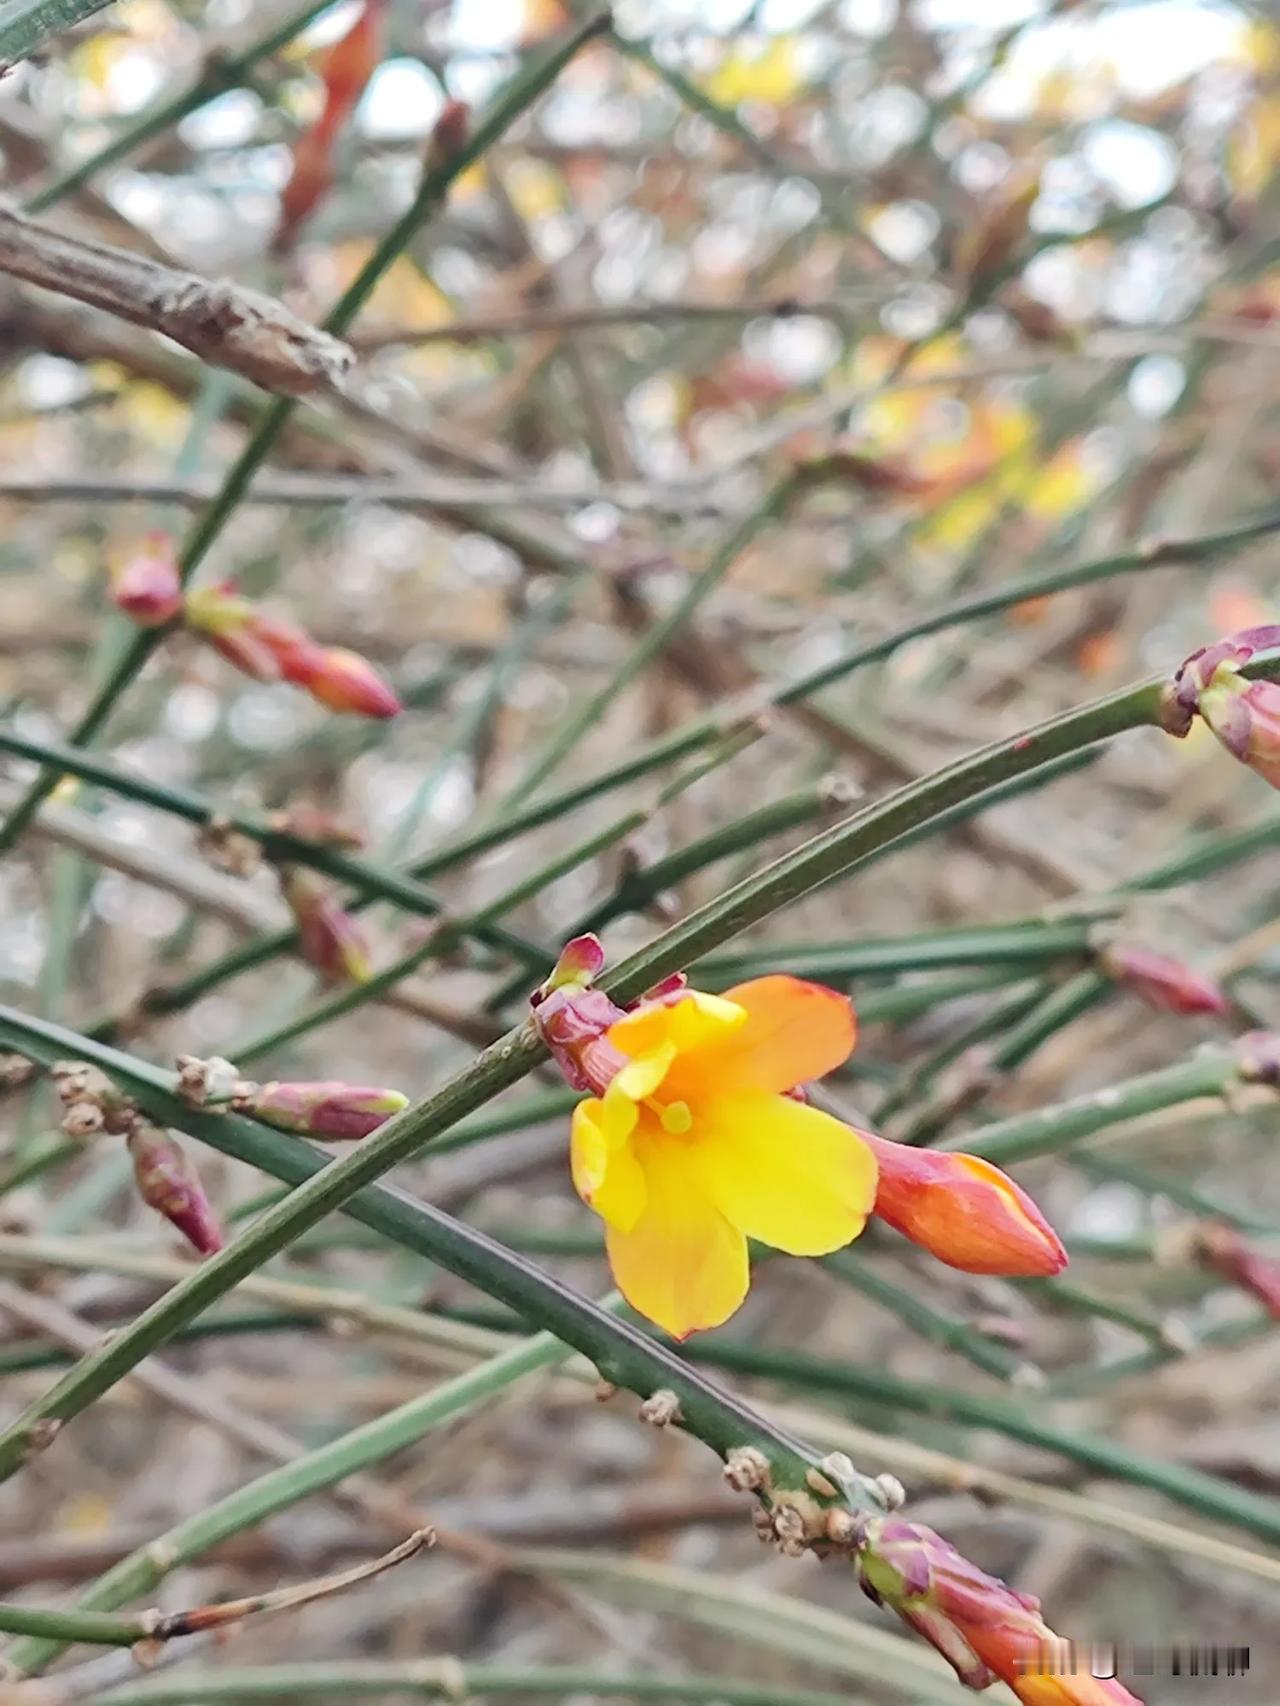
(450, 1679)
(25, 25)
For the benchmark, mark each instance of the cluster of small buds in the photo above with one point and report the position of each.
(274, 648)
(1244, 715)
(201, 1082)
(1162, 981)
(329, 936)
(146, 584)
(90, 1101)
(227, 848)
(168, 1182)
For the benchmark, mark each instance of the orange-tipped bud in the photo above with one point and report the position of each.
(964, 1211)
(345, 71)
(169, 1183)
(147, 584)
(328, 1109)
(330, 938)
(1223, 1249)
(1162, 981)
(352, 60)
(342, 680)
(260, 645)
(986, 1630)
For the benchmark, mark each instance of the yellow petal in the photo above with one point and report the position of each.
(605, 1172)
(694, 1021)
(782, 1172)
(642, 1076)
(794, 1031)
(681, 1264)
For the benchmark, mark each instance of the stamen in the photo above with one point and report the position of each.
(676, 1118)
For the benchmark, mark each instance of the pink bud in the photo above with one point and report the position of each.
(147, 585)
(572, 1017)
(342, 680)
(169, 1183)
(1224, 1250)
(330, 937)
(580, 964)
(258, 644)
(328, 1108)
(448, 135)
(1162, 981)
(1245, 716)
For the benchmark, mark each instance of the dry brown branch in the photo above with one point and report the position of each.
(221, 322)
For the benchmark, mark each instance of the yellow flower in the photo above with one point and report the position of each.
(695, 1145)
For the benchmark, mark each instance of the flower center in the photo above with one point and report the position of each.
(675, 1117)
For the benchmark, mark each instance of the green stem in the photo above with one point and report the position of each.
(519, 93)
(450, 1679)
(25, 25)
(374, 881)
(651, 642)
(1046, 1130)
(67, 1626)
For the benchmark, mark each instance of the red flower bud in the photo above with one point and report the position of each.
(986, 1630)
(448, 135)
(345, 70)
(260, 645)
(328, 1108)
(342, 680)
(169, 1183)
(1224, 1250)
(147, 585)
(964, 1211)
(1162, 981)
(330, 937)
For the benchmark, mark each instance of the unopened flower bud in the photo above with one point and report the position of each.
(1223, 1249)
(572, 1017)
(964, 1211)
(260, 645)
(329, 1108)
(168, 1183)
(146, 584)
(1162, 981)
(986, 1630)
(448, 135)
(330, 937)
(342, 680)
(203, 1081)
(1245, 716)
